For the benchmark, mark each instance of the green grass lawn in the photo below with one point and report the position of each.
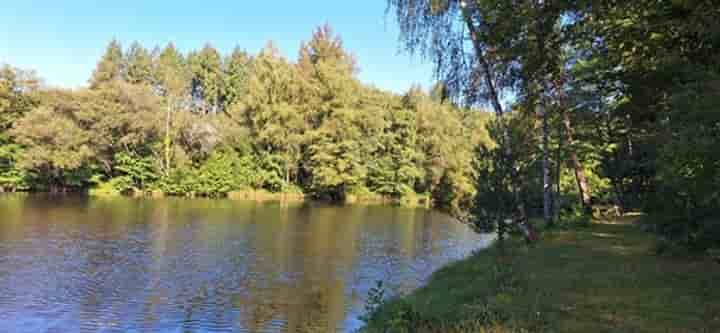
(601, 278)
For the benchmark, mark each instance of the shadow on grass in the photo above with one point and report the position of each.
(600, 278)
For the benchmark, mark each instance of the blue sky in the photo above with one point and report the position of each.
(62, 40)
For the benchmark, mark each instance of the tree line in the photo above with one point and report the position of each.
(595, 102)
(203, 123)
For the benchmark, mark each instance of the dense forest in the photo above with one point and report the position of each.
(206, 124)
(607, 125)
(610, 104)
(592, 104)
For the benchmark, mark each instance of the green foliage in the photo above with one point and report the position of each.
(172, 74)
(113, 187)
(652, 111)
(138, 172)
(110, 67)
(495, 202)
(329, 70)
(396, 170)
(574, 216)
(336, 155)
(208, 88)
(632, 83)
(221, 173)
(205, 124)
(688, 174)
(177, 181)
(54, 142)
(138, 65)
(236, 76)
(12, 178)
(73, 133)
(216, 176)
(555, 288)
(17, 98)
(375, 300)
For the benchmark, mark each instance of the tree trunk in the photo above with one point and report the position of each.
(528, 230)
(558, 173)
(543, 113)
(167, 138)
(547, 174)
(287, 175)
(583, 187)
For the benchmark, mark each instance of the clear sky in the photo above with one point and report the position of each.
(62, 40)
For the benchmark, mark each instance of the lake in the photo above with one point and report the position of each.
(79, 264)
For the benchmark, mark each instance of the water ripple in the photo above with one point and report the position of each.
(171, 265)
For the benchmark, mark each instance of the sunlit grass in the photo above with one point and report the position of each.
(601, 278)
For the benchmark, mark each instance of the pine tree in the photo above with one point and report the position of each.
(110, 67)
(172, 75)
(236, 76)
(267, 102)
(138, 65)
(329, 69)
(207, 83)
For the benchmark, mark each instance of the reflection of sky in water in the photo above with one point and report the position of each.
(175, 265)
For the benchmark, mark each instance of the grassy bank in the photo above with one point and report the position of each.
(601, 278)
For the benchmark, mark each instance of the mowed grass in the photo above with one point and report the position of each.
(601, 278)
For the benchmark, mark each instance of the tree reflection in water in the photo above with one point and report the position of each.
(121, 264)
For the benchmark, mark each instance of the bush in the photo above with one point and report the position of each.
(574, 216)
(136, 172)
(696, 235)
(223, 172)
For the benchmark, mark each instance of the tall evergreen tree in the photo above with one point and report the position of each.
(110, 67)
(237, 68)
(309, 124)
(395, 170)
(138, 65)
(172, 75)
(270, 109)
(208, 89)
(330, 70)
(336, 155)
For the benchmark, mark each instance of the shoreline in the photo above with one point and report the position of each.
(604, 277)
(416, 201)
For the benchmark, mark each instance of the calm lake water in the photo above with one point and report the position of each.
(76, 264)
